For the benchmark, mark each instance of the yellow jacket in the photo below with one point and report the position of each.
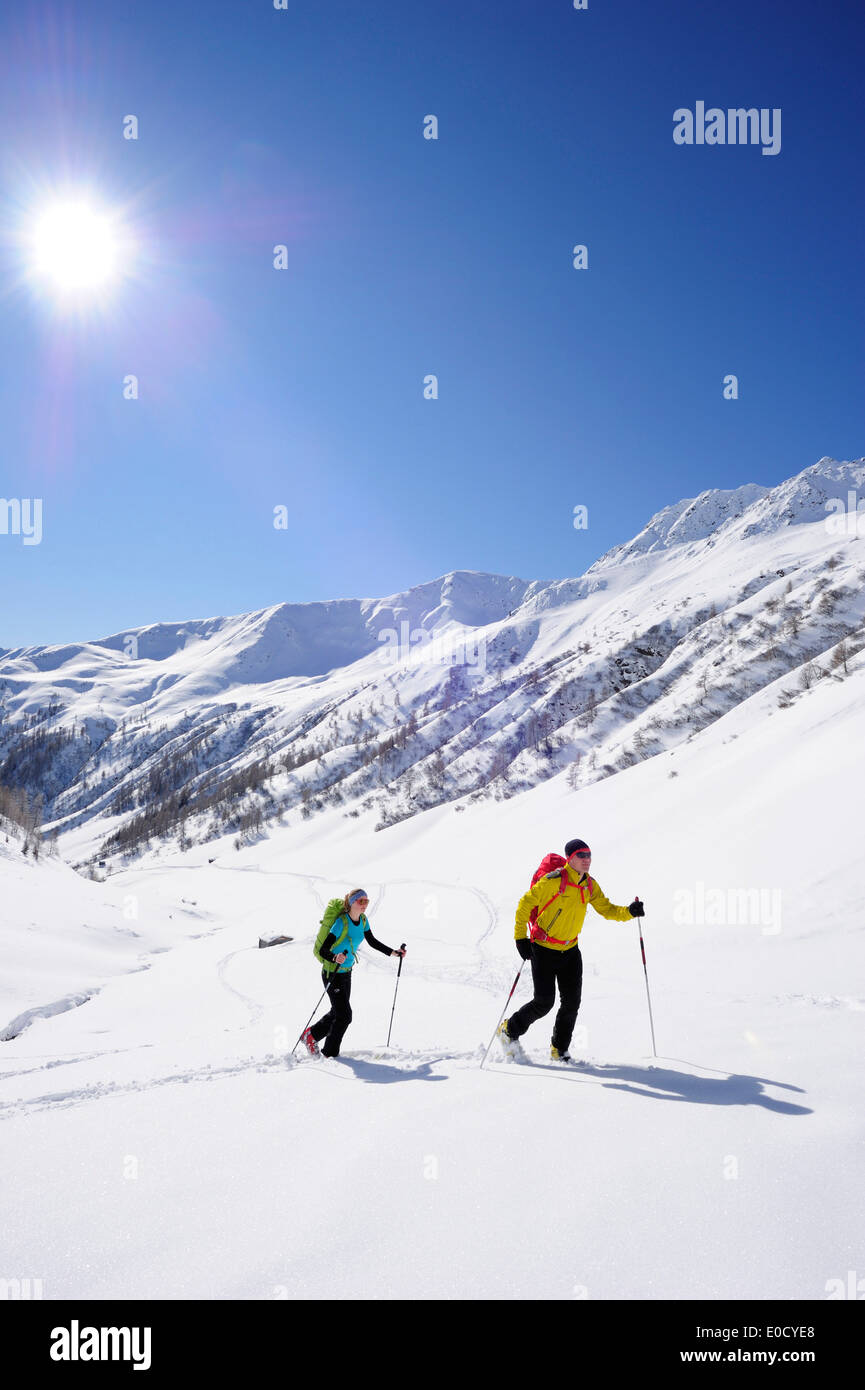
(564, 913)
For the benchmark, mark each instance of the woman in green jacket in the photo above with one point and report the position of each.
(348, 931)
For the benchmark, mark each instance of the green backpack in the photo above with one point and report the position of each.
(334, 909)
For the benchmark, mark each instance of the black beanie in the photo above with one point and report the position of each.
(573, 845)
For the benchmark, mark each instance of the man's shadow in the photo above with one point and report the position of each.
(662, 1083)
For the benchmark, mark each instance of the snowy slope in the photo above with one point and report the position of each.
(63, 936)
(139, 1125)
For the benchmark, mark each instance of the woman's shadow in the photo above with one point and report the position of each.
(380, 1073)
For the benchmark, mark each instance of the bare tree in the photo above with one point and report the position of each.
(840, 657)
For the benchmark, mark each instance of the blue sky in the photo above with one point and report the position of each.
(304, 387)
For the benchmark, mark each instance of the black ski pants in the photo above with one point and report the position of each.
(551, 968)
(332, 1025)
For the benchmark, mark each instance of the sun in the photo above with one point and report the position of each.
(75, 248)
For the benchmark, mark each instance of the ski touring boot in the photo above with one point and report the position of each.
(511, 1047)
(310, 1043)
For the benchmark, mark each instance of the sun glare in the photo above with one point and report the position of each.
(74, 247)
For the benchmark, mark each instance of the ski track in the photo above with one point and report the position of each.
(373, 1066)
(824, 1001)
(255, 1009)
(102, 1090)
(654, 1079)
(489, 974)
(376, 1067)
(67, 1060)
(312, 880)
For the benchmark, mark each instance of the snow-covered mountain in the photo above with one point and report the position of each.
(693, 710)
(744, 511)
(278, 643)
(470, 686)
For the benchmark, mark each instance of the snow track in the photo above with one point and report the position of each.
(103, 1090)
(58, 1006)
(369, 1066)
(255, 1009)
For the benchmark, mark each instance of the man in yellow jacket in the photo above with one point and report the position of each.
(554, 911)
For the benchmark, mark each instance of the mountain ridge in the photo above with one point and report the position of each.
(469, 685)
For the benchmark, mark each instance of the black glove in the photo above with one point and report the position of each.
(636, 908)
(524, 946)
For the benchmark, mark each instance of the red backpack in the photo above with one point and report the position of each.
(546, 866)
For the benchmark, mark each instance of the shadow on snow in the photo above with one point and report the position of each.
(664, 1083)
(381, 1073)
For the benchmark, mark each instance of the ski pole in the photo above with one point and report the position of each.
(646, 973)
(502, 1014)
(396, 987)
(309, 1020)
